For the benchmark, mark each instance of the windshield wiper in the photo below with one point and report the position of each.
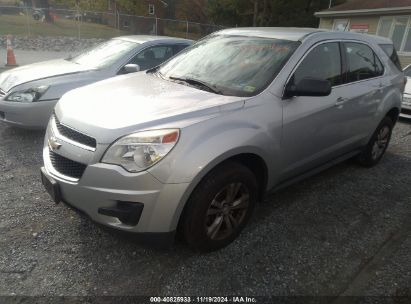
(156, 72)
(197, 83)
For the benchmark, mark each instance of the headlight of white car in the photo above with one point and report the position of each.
(30, 95)
(140, 151)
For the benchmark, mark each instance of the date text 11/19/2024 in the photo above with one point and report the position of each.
(235, 299)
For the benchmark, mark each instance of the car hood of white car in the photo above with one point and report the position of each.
(138, 101)
(37, 71)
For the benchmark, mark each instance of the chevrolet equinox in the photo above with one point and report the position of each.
(192, 145)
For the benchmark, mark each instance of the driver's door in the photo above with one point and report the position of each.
(315, 129)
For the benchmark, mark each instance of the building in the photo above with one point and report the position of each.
(388, 18)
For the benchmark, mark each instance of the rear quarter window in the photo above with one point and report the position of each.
(392, 54)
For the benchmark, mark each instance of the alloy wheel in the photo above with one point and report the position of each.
(227, 211)
(381, 142)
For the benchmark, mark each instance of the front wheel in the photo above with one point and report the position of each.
(378, 144)
(220, 207)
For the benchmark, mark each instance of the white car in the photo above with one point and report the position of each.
(406, 101)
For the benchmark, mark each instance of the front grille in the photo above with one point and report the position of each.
(2, 93)
(75, 135)
(66, 166)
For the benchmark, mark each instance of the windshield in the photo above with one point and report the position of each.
(230, 65)
(105, 54)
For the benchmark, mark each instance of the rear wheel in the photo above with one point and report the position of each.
(220, 207)
(378, 144)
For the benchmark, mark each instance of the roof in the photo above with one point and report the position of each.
(147, 38)
(301, 34)
(367, 7)
(288, 33)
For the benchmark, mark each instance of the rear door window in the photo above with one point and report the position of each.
(392, 54)
(362, 62)
(179, 47)
(152, 56)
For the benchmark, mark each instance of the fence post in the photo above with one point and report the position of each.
(186, 28)
(118, 20)
(156, 26)
(27, 20)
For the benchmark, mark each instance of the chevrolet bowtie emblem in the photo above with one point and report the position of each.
(54, 144)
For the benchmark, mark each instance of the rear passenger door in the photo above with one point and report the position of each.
(364, 89)
(316, 129)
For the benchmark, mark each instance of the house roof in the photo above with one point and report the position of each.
(367, 7)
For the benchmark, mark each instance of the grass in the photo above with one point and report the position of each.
(20, 25)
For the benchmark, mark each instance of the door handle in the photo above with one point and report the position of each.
(340, 101)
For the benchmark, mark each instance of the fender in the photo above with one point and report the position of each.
(192, 159)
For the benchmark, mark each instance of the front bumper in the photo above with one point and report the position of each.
(33, 115)
(105, 186)
(406, 106)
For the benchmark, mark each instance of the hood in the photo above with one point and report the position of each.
(37, 71)
(135, 102)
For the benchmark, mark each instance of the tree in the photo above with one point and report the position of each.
(191, 10)
(267, 12)
(230, 12)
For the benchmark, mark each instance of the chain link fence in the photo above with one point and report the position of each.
(34, 22)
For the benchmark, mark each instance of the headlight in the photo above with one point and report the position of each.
(139, 151)
(30, 95)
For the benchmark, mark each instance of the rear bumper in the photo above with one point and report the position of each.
(27, 115)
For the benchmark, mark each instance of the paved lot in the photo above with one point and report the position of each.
(343, 232)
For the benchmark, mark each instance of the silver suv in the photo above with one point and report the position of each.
(192, 145)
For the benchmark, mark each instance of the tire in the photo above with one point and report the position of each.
(213, 218)
(377, 145)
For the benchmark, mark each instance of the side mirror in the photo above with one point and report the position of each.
(308, 87)
(131, 68)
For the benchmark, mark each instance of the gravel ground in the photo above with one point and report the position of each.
(57, 44)
(345, 231)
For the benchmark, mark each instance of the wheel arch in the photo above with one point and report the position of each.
(393, 114)
(253, 161)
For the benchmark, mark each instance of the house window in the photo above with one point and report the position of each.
(396, 28)
(151, 10)
(340, 25)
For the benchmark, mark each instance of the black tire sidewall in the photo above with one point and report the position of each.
(198, 204)
(365, 157)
